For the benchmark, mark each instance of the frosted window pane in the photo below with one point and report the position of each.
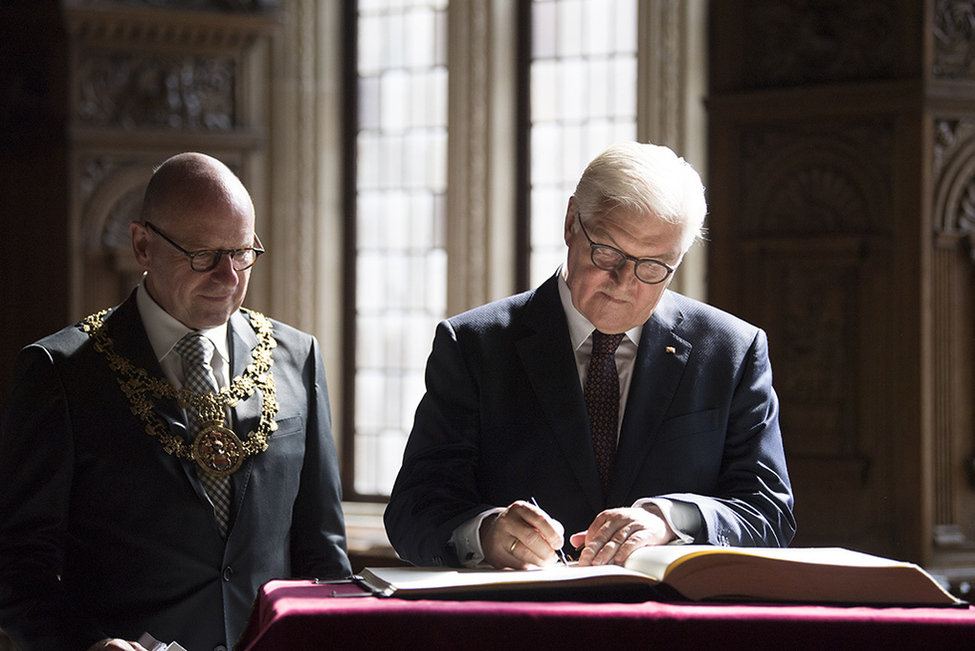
(624, 77)
(371, 213)
(370, 281)
(372, 45)
(583, 98)
(546, 147)
(420, 27)
(369, 103)
(600, 97)
(393, 96)
(543, 29)
(570, 33)
(544, 91)
(437, 166)
(400, 259)
(368, 412)
(438, 105)
(600, 38)
(625, 36)
(573, 89)
(367, 171)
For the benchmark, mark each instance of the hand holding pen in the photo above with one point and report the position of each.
(562, 557)
(521, 536)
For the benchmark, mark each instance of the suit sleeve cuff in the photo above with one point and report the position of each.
(466, 540)
(683, 518)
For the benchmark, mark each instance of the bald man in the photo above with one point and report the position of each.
(163, 459)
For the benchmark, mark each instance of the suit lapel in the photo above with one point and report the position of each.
(124, 327)
(247, 413)
(550, 366)
(660, 362)
(131, 342)
(243, 340)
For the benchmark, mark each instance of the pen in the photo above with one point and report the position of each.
(561, 553)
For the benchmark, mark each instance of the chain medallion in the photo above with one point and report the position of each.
(216, 448)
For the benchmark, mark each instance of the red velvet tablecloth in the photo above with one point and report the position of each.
(294, 615)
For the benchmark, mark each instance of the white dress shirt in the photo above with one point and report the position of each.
(164, 331)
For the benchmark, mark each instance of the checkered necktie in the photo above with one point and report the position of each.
(196, 351)
(602, 395)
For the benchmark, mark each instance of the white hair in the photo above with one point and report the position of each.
(644, 179)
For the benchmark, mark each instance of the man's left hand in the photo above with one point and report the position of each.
(616, 533)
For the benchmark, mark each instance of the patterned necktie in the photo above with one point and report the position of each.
(196, 351)
(602, 395)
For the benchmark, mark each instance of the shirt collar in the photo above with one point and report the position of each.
(164, 330)
(579, 326)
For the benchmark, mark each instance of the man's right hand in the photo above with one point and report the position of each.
(521, 536)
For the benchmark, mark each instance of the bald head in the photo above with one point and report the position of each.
(194, 203)
(189, 182)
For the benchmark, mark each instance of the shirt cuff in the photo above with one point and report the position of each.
(466, 539)
(683, 518)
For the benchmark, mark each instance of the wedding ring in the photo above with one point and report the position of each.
(511, 550)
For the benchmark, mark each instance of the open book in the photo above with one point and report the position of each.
(801, 574)
(694, 572)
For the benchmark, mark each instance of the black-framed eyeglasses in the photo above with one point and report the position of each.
(207, 259)
(608, 258)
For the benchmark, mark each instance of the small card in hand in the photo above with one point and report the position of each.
(152, 644)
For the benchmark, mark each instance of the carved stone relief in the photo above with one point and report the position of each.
(157, 91)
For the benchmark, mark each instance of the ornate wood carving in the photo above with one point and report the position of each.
(954, 39)
(806, 183)
(831, 192)
(954, 173)
(813, 215)
(953, 317)
(791, 43)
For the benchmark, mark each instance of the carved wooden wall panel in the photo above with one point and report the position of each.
(842, 203)
(953, 335)
(778, 43)
(813, 231)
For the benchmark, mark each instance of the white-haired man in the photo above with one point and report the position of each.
(600, 404)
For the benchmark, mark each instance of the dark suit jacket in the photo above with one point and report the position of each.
(504, 419)
(89, 496)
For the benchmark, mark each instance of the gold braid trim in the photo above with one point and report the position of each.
(141, 388)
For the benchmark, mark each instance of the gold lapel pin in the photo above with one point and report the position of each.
(670, 350)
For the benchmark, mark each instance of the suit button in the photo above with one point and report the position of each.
(220, 647)
(228, 573)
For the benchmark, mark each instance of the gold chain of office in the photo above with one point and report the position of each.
(216, 449)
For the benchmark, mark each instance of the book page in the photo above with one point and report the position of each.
(808, 574)
(657, 561)
(388, 580)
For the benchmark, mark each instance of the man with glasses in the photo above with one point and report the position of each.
(600, 412)
(160, 461)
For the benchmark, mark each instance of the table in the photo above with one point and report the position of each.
(297, 615)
